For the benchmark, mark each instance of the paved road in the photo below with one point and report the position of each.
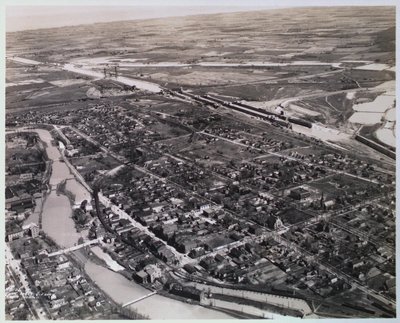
(182, 258)
(245, 239)
(61, 134)
(15, 265)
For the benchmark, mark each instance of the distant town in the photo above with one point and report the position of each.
(240, 180)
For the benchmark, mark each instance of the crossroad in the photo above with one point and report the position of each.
(183, 259)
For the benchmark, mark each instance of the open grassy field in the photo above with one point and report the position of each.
(324, 33)
(315, 52)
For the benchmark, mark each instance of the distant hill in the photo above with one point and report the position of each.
(386, 39)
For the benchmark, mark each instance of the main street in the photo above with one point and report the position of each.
(182, 258)
(161, 179)
(25, 290)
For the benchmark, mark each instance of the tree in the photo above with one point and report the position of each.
(83, 204)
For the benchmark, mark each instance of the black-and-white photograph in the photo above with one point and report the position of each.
(200, 161)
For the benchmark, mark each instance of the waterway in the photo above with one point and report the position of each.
(143, 85)
(115, 61)
(58, 224)
(34, 217)
(56, 212)
(79, 192)
(111, 263)
(122, 290)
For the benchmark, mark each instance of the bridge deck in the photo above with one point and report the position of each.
(139, 299)
(73, 248)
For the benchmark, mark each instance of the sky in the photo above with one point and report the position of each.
(22, 15)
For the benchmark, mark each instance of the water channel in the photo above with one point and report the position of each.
(58, 224)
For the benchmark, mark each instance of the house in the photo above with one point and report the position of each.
(255, 229)
(141, 277)
(41, 258)
(208, 212)
(25, 255)
(373, 272)
(148, 220)
(278, 223)
(208, 263)
(186, 292)
(166, 254)
(185, 245)
(153, 272)
(114, 218)
(189, 268)
(169, 230)
(205, 207)
(358, 264)
(196, 252)
(20, 203)
(219, 258)
(32, 228)
(71, 152)
(57, 303)
(13, 231)
(26, 177)
(391, 282)
(299, 193)
(64, 265)
(157, 207)
(328, 204)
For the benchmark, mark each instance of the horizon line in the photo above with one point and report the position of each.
(236, 9)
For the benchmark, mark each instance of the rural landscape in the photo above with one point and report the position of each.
(220, 166)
